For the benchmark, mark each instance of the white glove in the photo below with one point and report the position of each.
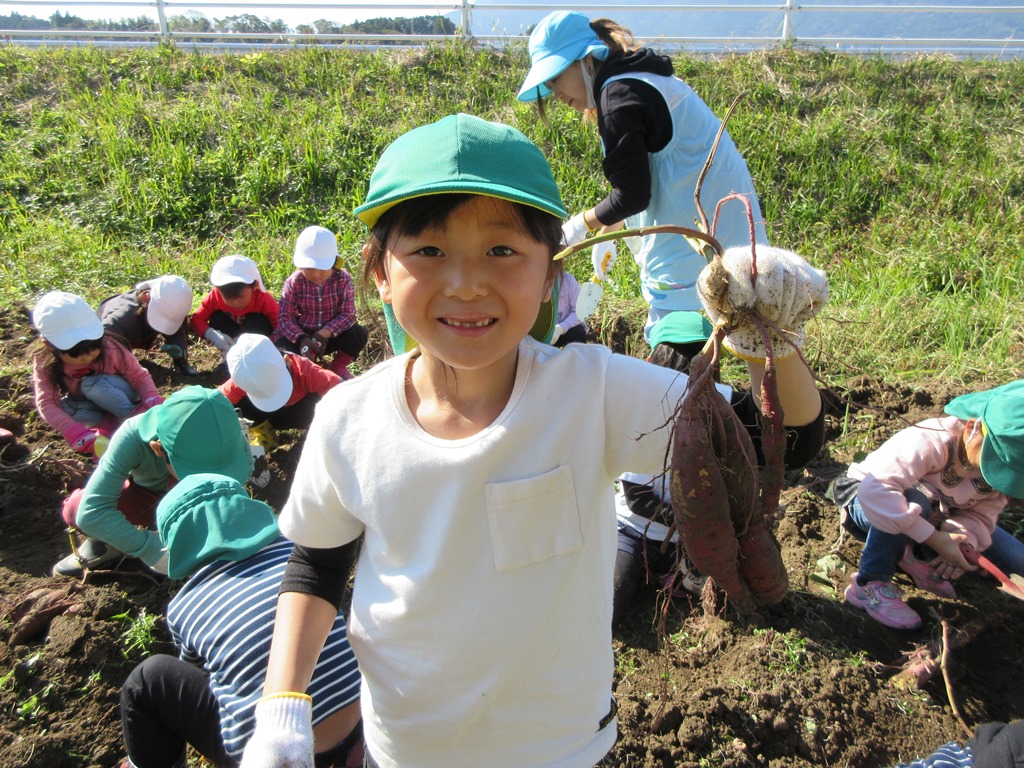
(160, 566)
(787, 292)
(603, 256)
(283, 737)
(221, 341)
(574, 230)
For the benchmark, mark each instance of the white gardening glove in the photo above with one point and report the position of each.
(574, 230)
(603, 257)
(283, 737)
(160, 566)
(221, 341)
(788, 292)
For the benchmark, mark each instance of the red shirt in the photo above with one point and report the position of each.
(261, 303)
(307, 378)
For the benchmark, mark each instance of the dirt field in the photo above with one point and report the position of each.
(811, 683)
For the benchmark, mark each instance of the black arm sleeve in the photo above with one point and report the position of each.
(997, 745)
(322, 573)
(802, 443)
(634, 121)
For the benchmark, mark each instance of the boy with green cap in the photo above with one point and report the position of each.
(194, 430)
(929, 491)
(228, 548)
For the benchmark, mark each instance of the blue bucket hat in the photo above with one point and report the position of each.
(208, 517)
(1001, 412)
(560, 39)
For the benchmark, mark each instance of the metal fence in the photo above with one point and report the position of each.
(786, 18)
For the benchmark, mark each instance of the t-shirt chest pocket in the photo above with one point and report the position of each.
(534, 519)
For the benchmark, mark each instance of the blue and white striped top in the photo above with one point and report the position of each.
(222, 619)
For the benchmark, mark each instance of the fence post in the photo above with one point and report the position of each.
(161, 17)
(787, 24)
(466, 11)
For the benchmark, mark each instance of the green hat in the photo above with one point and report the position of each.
(208, 517)
(680, 328)
(1001, 412)
(199, 429)
(461, 153)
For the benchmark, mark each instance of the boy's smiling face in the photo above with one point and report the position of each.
(469, 290)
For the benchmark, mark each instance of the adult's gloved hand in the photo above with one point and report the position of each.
(160, 565)
(221, 341)
(309, 347)
(175, 351)
(574, 230)
(603, 256)
(787, 292)
(283, 737)
(81, 438)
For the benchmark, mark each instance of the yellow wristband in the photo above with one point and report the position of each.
(591, 228)
(288, 695)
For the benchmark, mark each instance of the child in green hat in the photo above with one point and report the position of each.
(478, 499)
(194, 430)
(928, 491)
(228, 548)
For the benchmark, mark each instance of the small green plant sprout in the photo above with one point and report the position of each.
(787, 652)
(825, 571)
(139, 635)
(30, 709)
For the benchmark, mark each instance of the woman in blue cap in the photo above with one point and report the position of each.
(656, 134)
(929, 490)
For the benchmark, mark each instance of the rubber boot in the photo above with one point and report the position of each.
(340, 365)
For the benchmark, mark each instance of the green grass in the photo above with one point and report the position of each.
(904, 179)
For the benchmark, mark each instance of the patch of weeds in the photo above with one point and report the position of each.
(139, 636)
(787, 652)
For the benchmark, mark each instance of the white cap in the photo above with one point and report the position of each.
(316, 248)
(257, 366)
(235, 269)
(65, 319)
(170, 302)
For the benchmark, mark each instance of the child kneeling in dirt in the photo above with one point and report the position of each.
(274, 389)
(228, 547)
(994, 745)
(194, 430)
(643, 506)
(927, 492)
(85, 383)
(481, 495)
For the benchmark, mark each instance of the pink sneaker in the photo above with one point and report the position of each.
(883, 602)
(924, 575)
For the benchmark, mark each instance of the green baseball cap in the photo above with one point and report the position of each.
(199, 429)
(461, 153)
(1001, 412)
(680, 328)
(208, 517)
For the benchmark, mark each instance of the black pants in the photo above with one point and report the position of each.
(167, 703)
(295, 416)
(350, 341)
(254, 322)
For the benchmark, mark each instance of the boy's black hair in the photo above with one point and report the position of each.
(234, 290)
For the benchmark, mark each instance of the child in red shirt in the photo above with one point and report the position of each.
(237, 304)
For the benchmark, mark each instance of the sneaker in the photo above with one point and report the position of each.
(924, 575)
(884, 603)
(92, 555)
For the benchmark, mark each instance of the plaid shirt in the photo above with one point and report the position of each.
(306, 308)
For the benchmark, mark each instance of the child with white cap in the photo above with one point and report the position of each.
(194, 430)
(153, 308)
(927, 492)
(228, 548)
(237, 304)
(318, 306)
(272, 388)
(85, 383)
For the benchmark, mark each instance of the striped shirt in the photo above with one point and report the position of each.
(950, 755)
(222, 619)
(306, 308)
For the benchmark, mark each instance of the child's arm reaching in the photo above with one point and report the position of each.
(950, 563)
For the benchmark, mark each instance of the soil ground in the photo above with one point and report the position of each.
(810, 682)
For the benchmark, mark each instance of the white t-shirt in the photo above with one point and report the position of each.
(481, 612)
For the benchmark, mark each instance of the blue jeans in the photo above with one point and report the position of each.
(104, 393)
(882, 551)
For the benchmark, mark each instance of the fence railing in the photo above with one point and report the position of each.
(789, 14)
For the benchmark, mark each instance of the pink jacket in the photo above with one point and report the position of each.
(116, 359)
(927, 453)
